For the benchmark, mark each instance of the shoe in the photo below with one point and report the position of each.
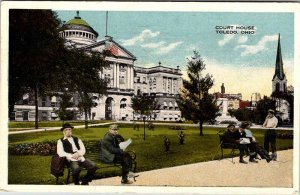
(242, 161)
(274, 157)
(85, 183)
(268, 159)
(253, 161)
(126, 181)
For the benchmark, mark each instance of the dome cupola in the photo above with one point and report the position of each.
(78, 31)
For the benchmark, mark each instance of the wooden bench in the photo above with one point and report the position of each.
(93, 152)
(224, 146)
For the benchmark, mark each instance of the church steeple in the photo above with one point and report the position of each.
(279, 64)
(279, 82)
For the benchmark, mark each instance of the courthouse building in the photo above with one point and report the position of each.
(125, 81)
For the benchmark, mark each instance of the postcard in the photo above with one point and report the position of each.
(184, 82)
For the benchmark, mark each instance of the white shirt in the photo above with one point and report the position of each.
(62, 153)
(271, 122)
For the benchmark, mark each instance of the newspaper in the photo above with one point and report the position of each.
(244, 141)
(124, 145)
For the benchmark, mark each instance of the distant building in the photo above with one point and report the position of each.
(125, 80)
(233, 99)
(244, 104)
(164, 83)
(279, 85)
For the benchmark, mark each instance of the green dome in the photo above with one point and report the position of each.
(78, 24)
(78, 21)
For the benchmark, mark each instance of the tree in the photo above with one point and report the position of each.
(244, 114)
(289, 97)
(262, 108)
(34, 50)
(81, 76)
(144, 105)
(65, 103)
(195, 102)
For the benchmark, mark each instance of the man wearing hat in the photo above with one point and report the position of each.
(270, 135)
(73, 149)
(112, 153)
(232, 136)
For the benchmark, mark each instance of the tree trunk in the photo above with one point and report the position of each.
(201, 128)
(85, 118)
(36, 103)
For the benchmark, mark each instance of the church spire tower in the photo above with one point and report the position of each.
(279, 79)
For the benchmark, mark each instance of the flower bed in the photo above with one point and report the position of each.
(40, 148)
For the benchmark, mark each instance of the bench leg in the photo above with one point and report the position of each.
(232, 155)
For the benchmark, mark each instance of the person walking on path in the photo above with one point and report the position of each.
(111, 152)
(73, 149)
(270, 135)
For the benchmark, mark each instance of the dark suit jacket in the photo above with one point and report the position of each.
(109, 148)
(231, 137)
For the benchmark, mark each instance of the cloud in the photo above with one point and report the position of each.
(225, 40)
(259, 47)
(243, 39)
(166, 49)
(140, 38)
(153, 45)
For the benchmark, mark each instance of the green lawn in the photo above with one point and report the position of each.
(150, 153)
(14, 125)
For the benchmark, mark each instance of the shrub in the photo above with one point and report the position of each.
(40, 148)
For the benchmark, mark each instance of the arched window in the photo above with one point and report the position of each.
(277, 87)
(123, 103)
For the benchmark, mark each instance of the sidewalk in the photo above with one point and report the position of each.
(218, 174)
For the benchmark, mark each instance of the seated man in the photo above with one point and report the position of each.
(112, 153)
(73, 149)
(250, 145)
(254, 145)
(232, 136)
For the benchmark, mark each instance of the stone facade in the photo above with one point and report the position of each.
(125, 80)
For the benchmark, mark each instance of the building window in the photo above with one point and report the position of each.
(138, 80)
(122, 80)
(123, 103)
(277, 89)
(43, 101)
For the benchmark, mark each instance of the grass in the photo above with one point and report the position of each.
(35, 169)
(14, 125)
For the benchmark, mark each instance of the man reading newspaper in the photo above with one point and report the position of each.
(112, 152)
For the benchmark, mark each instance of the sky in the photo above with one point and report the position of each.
(244, 61)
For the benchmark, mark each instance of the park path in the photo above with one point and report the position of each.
(218, 173)
(130, 122)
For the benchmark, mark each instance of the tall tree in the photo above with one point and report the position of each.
(34, 47)
(262, 108)
(81, 75)
(144, 105)
(195, 102)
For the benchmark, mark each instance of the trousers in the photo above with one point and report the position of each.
(126, 162)
(76, 168)
(270, 139)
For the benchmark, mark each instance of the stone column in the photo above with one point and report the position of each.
(128, 77)
(131, 76)
(118, 75)
(114, 75)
